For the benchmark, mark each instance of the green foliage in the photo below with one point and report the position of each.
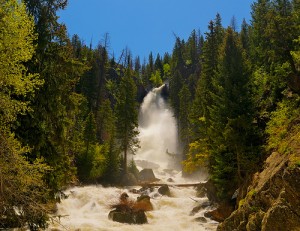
(127, 117)
(91, 163)
(113, 162)
(23, 193)
(16, 48)
(133, 169)
(50, 127)
(156, 78)
(185, 105)
(167, 71)
(283, 127)
(98, 160)
(296, 54)
(197, 156)
(105, 121)
(231, 130)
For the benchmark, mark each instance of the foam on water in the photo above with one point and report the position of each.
(87, 209)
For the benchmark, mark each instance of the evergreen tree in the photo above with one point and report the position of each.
(185, 102)
(199, 116)
(232, 136)
(127, 117)
(158, 65)
(46, 129)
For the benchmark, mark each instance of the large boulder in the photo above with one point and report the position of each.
(143, 203)
(129, 211)
(272, 201)
(128, 217)
(147, 175)
(164, 190)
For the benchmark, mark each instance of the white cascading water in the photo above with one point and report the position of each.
(87, 208)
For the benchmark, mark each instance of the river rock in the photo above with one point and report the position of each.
(129, 217)
(147, 175)
(220, 213)
(272, 201)
(199, 207)
(201, 219)
(130, 212)
(209, 190)
(143, 203)
(170, 180)
(164, 190)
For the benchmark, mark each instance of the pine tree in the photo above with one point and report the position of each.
(127, 117)
(46, 128)
(231, 132)
(185, 104)
(199, 117)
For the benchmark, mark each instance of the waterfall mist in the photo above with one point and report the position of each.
(158, 130)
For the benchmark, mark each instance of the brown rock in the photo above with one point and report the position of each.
(221, 213)
(272, 201)
(147, 175)
(143, 203)
(164, 190)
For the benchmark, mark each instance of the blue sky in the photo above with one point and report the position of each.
(147, 25)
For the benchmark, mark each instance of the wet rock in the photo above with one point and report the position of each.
(254, 221)
(129, 217)
(280, 215)
(221, 213)
(272, 201)
(147, 175)
(146, 190)
(130, 212)
(164, 190)
(201, 219)
(156, 195)
(143, 203)
(208, 189)
(134, 191)
(170, 180)
(199, 207)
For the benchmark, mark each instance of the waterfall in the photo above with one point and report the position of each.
(158, 130)
(87, 208)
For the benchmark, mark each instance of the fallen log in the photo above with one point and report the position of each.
(170, 185)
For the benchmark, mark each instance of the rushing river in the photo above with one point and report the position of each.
(87, 208)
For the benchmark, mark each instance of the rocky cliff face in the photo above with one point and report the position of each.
(272, 202)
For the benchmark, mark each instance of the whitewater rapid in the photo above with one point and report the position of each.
(86, 208)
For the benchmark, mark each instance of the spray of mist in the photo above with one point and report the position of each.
(158, 130)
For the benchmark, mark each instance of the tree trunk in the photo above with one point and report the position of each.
(125, 160)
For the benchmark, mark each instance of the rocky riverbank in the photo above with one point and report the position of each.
(273, 198)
